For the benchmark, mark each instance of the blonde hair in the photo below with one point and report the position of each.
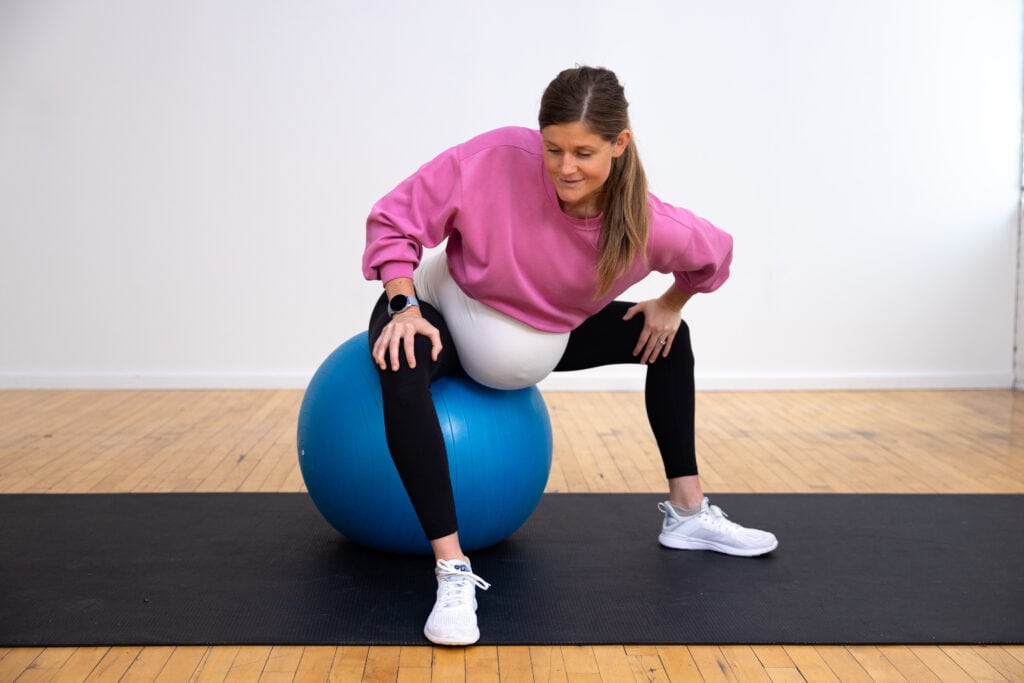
(594, 97)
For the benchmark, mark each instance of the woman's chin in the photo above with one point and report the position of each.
(570, 200)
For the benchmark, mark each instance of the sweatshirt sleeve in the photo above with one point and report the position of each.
(418, 213)
(697, 253)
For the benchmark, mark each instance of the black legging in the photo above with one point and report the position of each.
(414, 433)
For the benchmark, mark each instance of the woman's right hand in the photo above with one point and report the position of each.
(400, 334)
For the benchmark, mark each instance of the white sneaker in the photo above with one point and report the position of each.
(453, 619)
(710, 530)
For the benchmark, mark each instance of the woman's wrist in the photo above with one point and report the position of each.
(401, 295)
(674, 298)
(399, 285)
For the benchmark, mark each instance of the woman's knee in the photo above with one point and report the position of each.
(396, 382)
(682, 349)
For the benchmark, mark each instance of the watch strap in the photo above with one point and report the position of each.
(401, 302)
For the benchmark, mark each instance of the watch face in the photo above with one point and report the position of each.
(398, 303)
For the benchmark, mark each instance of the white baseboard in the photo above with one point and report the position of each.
(787, 382)
(623, 378)
(156, 381)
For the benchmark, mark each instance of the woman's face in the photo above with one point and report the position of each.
(578, 163)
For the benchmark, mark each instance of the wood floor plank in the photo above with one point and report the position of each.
(16, 661)
(877, 666)
(248, 663)
(811, 663)
(579, 660)
(46, 666)
(482, 664)
(940, 664)
(842, 662)
(315, 664)
(1001, 659)
(976, 666)
(216, 664)
(514, 663)
(114, 663)
(648, 668)
(183, 664)
(148, 664)
(785, 675)
(615, 663)
(281, 664)
(908, 664)
(773, 656)
(678, 663)
(381, 664)
(349, 663)
(449, 664)
(745, 663)
(80, 664)
(712, 664)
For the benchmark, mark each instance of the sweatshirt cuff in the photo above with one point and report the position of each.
(685, 283)
(389, 271)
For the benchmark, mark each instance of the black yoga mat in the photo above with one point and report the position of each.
(585, 569)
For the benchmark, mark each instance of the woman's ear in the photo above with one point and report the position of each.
(621, 143)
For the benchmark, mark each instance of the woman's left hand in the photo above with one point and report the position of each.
(661, 322)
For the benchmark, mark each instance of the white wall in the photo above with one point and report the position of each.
(1019, 341)
(183, 184)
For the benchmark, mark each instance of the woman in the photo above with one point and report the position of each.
(544, 229)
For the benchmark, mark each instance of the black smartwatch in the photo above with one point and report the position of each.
(401, 302)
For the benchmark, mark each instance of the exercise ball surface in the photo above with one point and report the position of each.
(499, 455)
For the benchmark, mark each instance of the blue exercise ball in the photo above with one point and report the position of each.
(499, 455)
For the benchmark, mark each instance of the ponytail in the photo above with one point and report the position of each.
(625, 223)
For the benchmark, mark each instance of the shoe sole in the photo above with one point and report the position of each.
(677, 543)
(437, 640)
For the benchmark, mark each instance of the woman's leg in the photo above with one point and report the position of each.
(606, 339)
(690, 522)
(417, 447)
(413, 431)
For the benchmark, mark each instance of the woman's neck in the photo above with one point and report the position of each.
(590, 208)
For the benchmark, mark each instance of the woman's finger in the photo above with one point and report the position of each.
(409, 347)
(394, 346)
(379, 347)
(650, 349)
(659, 346)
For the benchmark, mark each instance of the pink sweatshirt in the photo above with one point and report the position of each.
(510, 245)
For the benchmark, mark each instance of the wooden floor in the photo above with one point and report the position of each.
(134, 441)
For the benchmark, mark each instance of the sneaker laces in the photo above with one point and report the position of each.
(719, 518)
(455, 583)
(713, 515)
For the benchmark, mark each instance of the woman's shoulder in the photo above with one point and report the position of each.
(665, 213)
(511, 138)
(670, 221)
